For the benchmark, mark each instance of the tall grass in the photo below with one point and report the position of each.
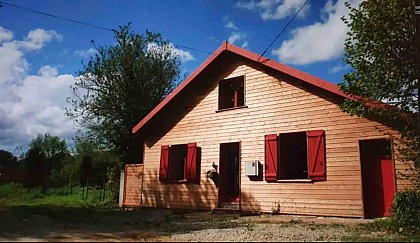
(13, 194)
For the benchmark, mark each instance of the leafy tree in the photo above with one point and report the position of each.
(94, 160)
(35, 168)
(48, 153)
(380, 48)
(121, 84)
(7, 159)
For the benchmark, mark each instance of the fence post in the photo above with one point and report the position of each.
(122, 188)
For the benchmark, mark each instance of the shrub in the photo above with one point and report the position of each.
(405, 210)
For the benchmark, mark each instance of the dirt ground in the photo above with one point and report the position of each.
(56, 224)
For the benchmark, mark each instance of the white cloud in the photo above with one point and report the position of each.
(31, 104)
(5, 35)
(47, 71)
(251, 5)
(321, 41)
(230, 25)
(237, 36)
(184, 56)
(338, 68)
(245, 44)
(86, 53)
(37, 38)
(275, 9)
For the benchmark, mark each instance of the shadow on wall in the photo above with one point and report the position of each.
(178, 195)
(203, 196)
(249, 203)
(188, 98)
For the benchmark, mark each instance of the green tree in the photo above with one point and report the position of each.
(121, 84)
(380, 48)
(7, 159)
(50, 152)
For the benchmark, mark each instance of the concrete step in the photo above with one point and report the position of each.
(225, 211)
(229, 205)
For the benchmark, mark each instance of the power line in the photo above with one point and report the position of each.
(55, 16)
(284, 28)
(87, 24)
(193, 49)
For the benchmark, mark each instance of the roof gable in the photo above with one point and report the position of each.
(305, 77)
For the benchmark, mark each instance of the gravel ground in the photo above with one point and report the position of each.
(266, 232)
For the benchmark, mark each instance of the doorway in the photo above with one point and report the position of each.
(229, 172)
(378, 180)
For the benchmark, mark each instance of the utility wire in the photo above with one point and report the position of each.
(87, 24)
(193, 49)
(55, 16)
(284, 28)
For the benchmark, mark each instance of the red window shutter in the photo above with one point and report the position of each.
(164, 164)
(316, 155)
(192, 171)
(271, 161)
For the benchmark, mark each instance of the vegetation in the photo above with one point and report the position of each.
(406, 211)
(121, 84)
(380, 48)
(15, 195)
(7, 159)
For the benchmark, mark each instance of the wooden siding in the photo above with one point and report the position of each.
(275, 104)
(132, 185)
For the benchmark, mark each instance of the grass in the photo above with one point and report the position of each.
(31, 213)
(15, 195)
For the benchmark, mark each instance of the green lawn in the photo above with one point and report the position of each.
(14, 195)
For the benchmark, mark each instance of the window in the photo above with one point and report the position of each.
(231, 93)
(299, 155)
(293, 156)
(180, 163)
(177, 162)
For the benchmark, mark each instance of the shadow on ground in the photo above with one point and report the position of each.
(144, 224)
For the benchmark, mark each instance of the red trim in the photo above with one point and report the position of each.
(254, 57)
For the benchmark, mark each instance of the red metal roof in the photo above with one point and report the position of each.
(251, 56)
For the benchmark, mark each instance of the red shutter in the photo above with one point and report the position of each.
(192, 172)
(164, 164)
(316, 155)
(271, 160)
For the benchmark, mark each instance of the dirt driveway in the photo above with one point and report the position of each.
(67, 224)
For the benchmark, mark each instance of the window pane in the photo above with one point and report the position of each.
(293, 156)
(231, 93)
(177, 161)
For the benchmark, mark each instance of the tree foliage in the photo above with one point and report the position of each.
(45, 159)
(122, 83)
(7, 159)
(380, 48)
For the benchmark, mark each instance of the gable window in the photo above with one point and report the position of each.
(231, 93)
(299, 155)
(180, 163)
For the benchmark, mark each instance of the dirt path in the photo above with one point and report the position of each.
(181, 226)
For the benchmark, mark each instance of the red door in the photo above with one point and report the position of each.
(377, 177)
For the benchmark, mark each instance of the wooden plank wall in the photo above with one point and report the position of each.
(275, 105)
(132, 185)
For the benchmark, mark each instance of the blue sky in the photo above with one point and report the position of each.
(40, 55)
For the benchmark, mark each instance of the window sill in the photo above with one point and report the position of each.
(296, 180)
(232, 108)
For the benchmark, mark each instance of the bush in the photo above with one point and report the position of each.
(405, 210)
